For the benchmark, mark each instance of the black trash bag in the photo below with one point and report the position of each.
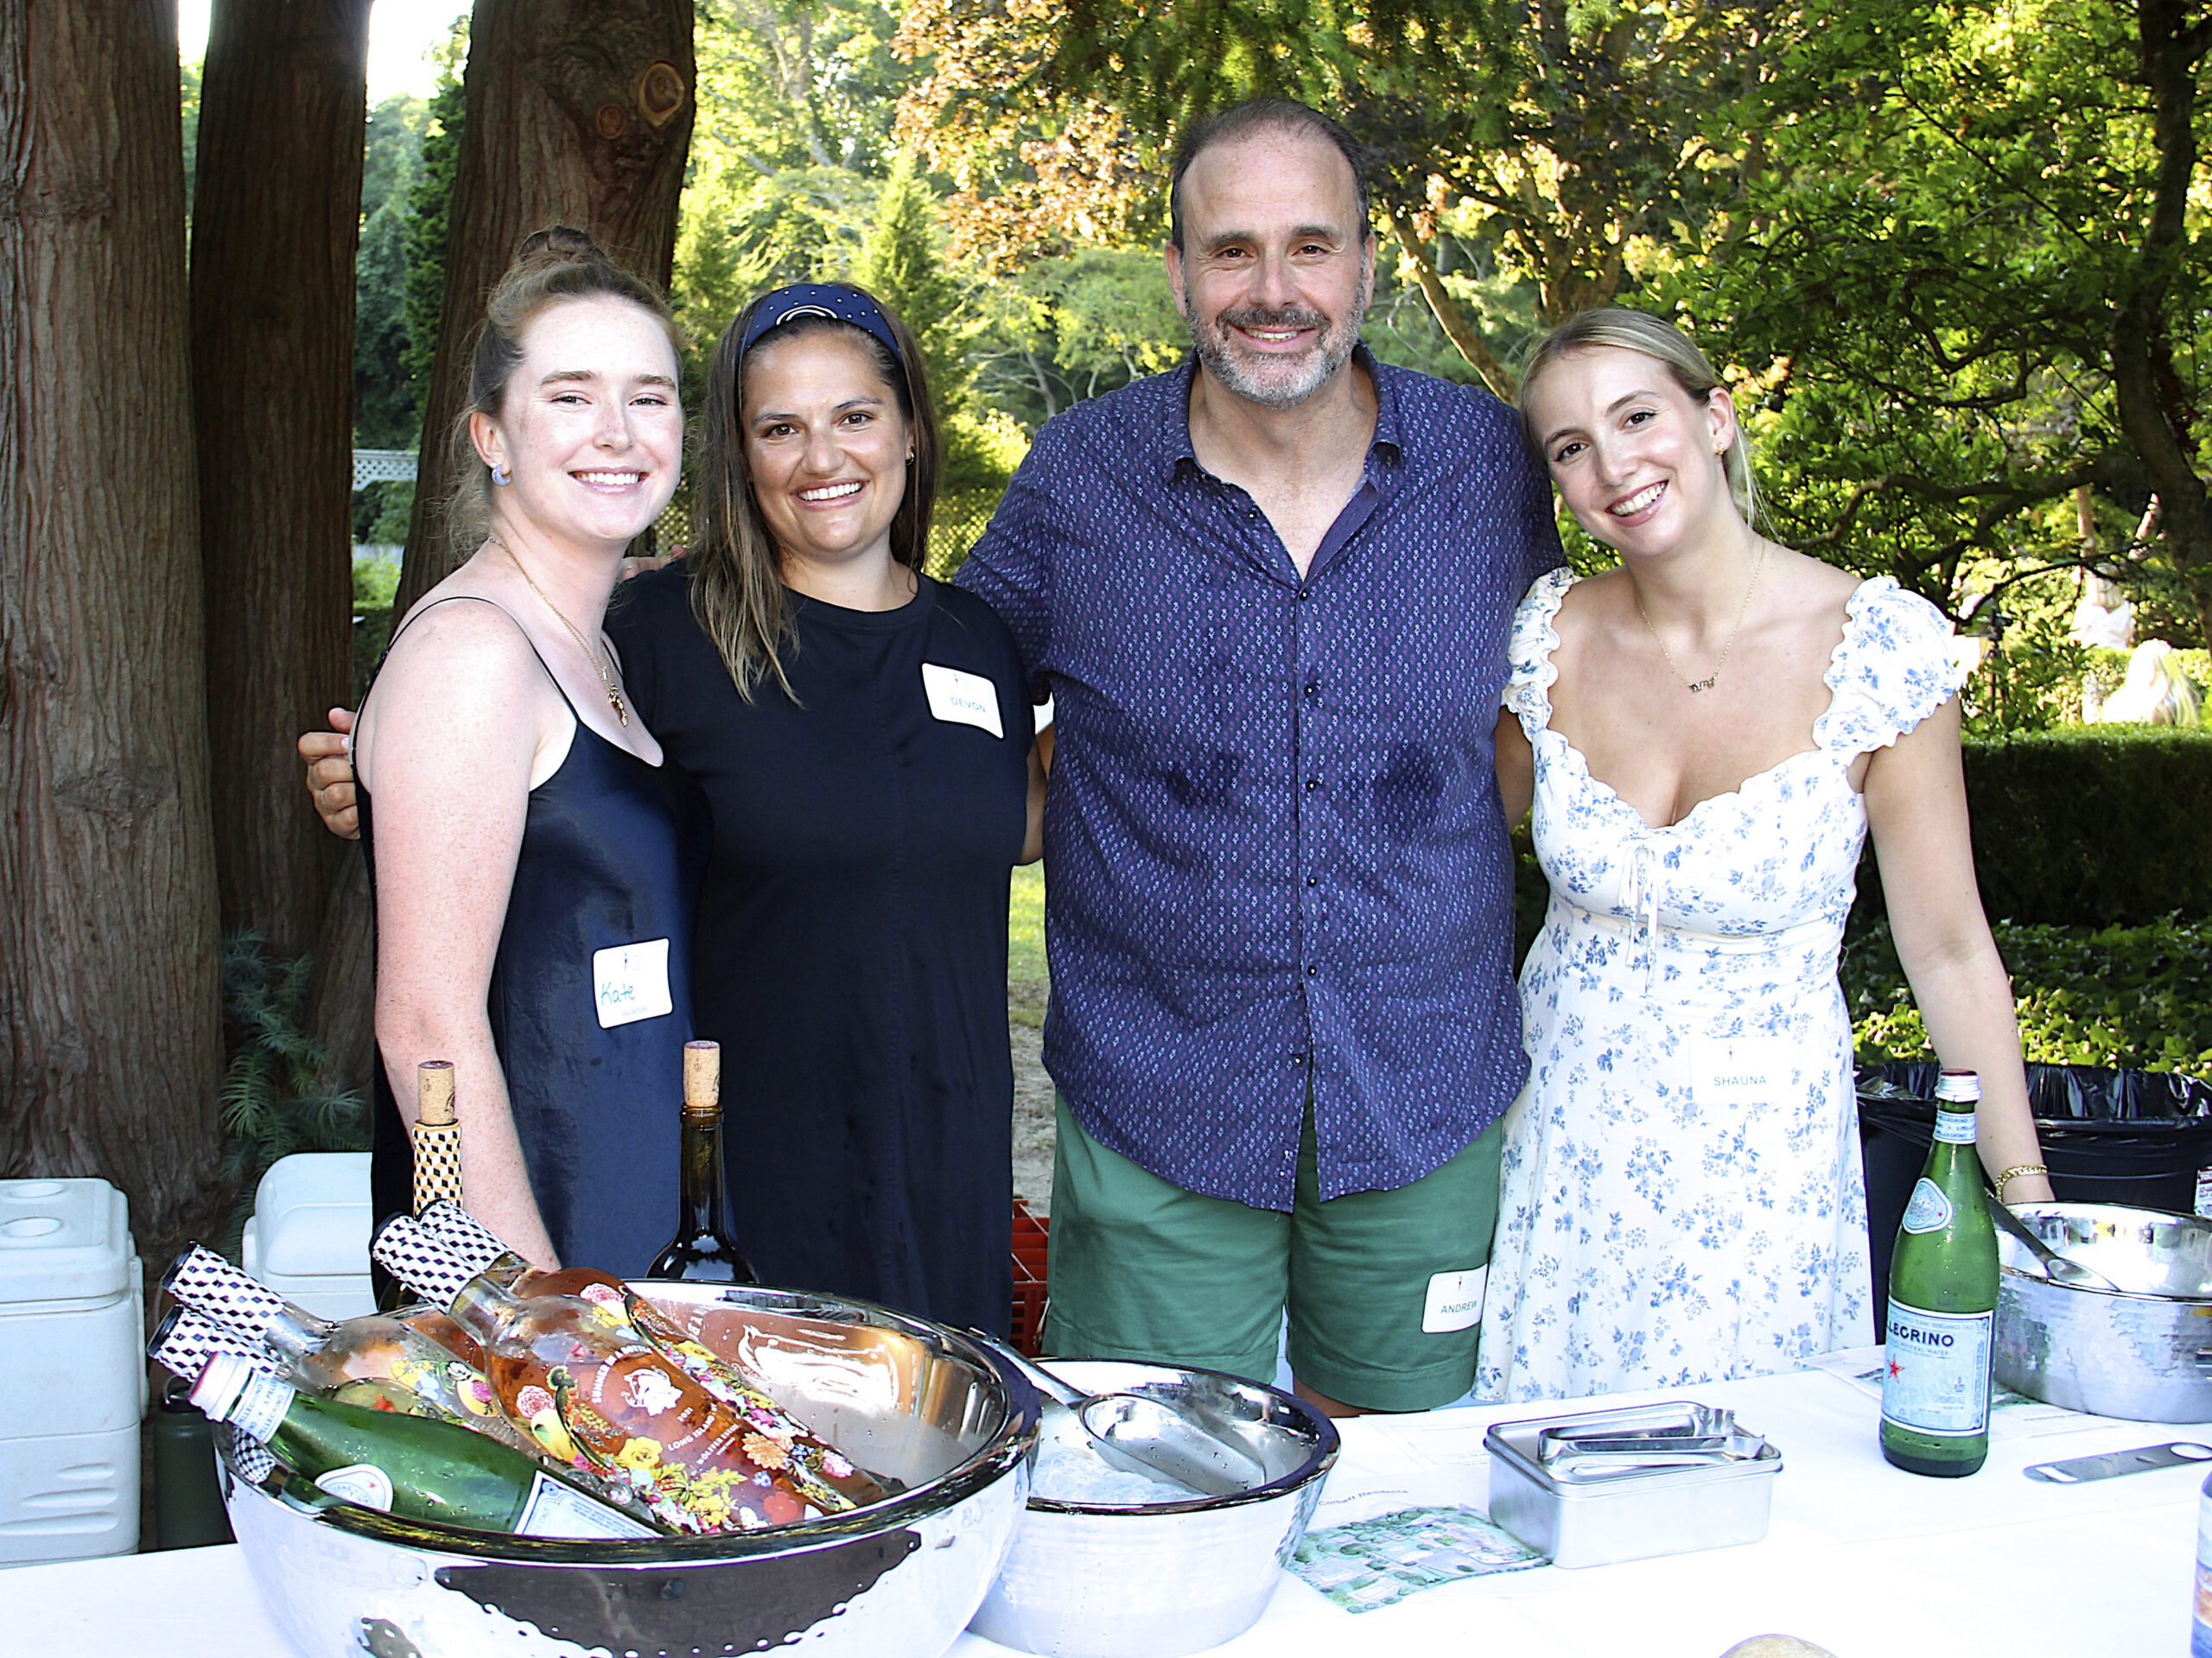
(2132, 1137)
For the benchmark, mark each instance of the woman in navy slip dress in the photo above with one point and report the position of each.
(534, 889)
(605, 862)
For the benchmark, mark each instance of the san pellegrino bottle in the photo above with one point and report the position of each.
(411, 1466)
(589, 1385)
(702, 1251)
(1942, 1303)
(325, 1355)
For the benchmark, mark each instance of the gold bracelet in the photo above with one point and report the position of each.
(2016, 1171)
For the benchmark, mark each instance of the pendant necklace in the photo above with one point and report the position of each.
(598, 659)
(1673, 667)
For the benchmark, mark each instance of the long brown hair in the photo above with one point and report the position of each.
(737, 588)
(552, 264)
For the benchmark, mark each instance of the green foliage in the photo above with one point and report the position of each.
(1026, 982)
(2135, 998)
(902, 262)
(271, 1103)
(428, 199)
(386, 415)
(376, 580)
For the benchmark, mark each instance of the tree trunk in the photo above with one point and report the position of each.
(1465, 337)
(276, 219)
(110, 1039)
(578, 112)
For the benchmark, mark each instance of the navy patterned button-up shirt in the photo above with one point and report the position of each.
(1273, 844)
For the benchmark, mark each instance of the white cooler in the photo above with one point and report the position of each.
(309, 1239)
(72, 1387)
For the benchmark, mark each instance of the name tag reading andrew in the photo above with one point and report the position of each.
(630, 983)
(963, 699)
(1742, 1069)
(1455, 1301)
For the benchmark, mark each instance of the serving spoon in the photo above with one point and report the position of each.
(1135, 1432)
(2056, 1267)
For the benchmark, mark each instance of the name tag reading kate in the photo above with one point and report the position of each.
(963, 699)
(630, 983)
(1742, 1069)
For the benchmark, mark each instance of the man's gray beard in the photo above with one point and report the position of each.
(1333, 352)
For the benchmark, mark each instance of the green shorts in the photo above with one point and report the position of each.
(1382, 1288)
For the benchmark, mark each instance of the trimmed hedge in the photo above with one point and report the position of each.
(2087, 826)
(2135, 998)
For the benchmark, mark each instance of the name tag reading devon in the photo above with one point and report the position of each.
(963, 699)
(630, 983)
(1741, 1070)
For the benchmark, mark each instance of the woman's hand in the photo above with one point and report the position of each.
(330, 776)
(1917, 809)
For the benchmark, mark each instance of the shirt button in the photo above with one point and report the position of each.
(1297, 1059)
(1312, 784)
(1304, 593)
(1313, 880)
(1312, 971)
(1312, 687)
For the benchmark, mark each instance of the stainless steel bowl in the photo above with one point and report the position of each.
(898, 1579)
(1088, 1581)
(2145, 1355)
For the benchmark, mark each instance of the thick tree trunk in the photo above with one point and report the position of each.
(110, 1040)
(579, 112)
(275, 218)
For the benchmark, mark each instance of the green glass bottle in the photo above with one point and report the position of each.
(1942, 1303)
(411, 1466)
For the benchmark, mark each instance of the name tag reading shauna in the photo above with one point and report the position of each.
(1742, 1069)
(963, 699)
(630, 983)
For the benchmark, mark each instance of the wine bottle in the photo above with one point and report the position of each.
(826, 1476)
(1942, 1303)
(186, 1338)
(591, 1387)
(435, 1136)
(411, 1466)
(702, 1251)
(325, 1355)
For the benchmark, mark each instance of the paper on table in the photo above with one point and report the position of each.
(2011, 1416)
(1406, 1462)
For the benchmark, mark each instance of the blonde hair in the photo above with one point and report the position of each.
(1617, 329)
(2157, 693)
(552, 264)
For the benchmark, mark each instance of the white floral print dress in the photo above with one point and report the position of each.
(1681, 1198)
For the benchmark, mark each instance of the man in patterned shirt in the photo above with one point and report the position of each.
(1270, 593)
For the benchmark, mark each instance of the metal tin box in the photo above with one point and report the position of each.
(1623, 1517)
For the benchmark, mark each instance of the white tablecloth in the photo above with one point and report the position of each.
(1862, 1559)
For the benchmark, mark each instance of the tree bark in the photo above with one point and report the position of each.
(578, 112)
(110, 1035)
(276, 220)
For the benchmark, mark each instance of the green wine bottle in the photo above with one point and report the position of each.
(1942, 1303)
(411, 1466)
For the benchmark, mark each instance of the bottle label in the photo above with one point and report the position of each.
(363, 1482)
(1955, 1128)
(261, 1406)
(1936, 1379)
(557, 1511)
(1930, 1211)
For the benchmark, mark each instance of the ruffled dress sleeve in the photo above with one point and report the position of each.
(1899, 661)
(1531, 672)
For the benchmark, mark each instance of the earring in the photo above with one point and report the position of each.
(501, 476)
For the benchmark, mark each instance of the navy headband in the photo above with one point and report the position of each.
(819, 299)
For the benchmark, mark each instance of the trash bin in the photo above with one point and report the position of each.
(2133, 1137)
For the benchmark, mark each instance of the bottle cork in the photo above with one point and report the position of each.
(434, 1093)
(437, 1136)
(702, 1078)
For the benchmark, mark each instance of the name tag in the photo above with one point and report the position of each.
(1742, 1069)
(1455, 1301)
(963, 699)
(630, 983)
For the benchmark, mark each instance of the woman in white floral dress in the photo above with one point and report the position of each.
(1708, 734)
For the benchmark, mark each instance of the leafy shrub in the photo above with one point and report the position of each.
(272, 1105)
(2135, 998)
(2088, 826)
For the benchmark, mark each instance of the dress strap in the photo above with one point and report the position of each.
(472, 599)
(1531, 672)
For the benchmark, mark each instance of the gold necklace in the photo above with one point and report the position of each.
(597, 658)
(1743, 610)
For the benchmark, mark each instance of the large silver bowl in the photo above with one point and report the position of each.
(898, 1579)
(2145, 1355)
(1170, 1578)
